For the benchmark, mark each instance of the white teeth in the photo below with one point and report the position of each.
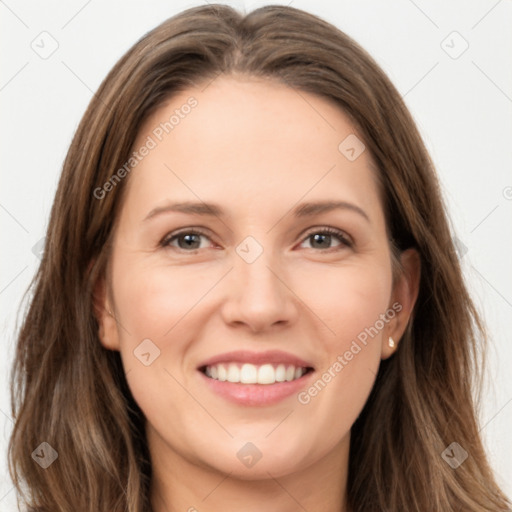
(248, 374)
(280, 373)
(233, 373)
(222, 374)
(290, 373)
(266, 374)
(251, 374)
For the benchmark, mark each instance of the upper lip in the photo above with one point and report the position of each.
(257, 358)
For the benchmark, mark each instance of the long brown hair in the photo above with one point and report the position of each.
(68, 391)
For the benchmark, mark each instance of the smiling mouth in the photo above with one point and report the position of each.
(247, 373)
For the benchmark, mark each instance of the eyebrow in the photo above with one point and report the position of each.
(211, 209)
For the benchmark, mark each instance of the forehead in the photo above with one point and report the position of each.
(251, 143)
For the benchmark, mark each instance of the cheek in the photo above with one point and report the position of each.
(154, 300)
(350, 306)
(157, 307)
(346, 300)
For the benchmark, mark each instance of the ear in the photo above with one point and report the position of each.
(404, 295)
(105, 315)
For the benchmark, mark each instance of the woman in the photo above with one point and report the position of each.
(190, 346)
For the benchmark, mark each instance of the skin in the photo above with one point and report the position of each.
(257, 149)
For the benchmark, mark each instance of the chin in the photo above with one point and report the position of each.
(250, 462)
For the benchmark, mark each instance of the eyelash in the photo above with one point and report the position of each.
(346, 243)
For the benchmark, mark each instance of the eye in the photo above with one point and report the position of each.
(189, 239)
(322, 238)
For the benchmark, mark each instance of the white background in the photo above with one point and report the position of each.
(462, 106)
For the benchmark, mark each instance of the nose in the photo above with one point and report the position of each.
(259, 295)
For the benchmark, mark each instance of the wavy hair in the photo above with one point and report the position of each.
(71, 392)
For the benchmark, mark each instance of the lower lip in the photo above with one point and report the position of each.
(256, 394)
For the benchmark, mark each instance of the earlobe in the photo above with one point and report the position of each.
(107, 326)
(405, 293)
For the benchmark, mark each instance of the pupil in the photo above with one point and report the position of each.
(189, 240)
(324, 237)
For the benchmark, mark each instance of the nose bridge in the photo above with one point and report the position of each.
(256, 268)
(258, 297)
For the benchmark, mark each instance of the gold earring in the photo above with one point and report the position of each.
(391, 342)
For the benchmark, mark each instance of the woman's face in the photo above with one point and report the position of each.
(252, 289)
